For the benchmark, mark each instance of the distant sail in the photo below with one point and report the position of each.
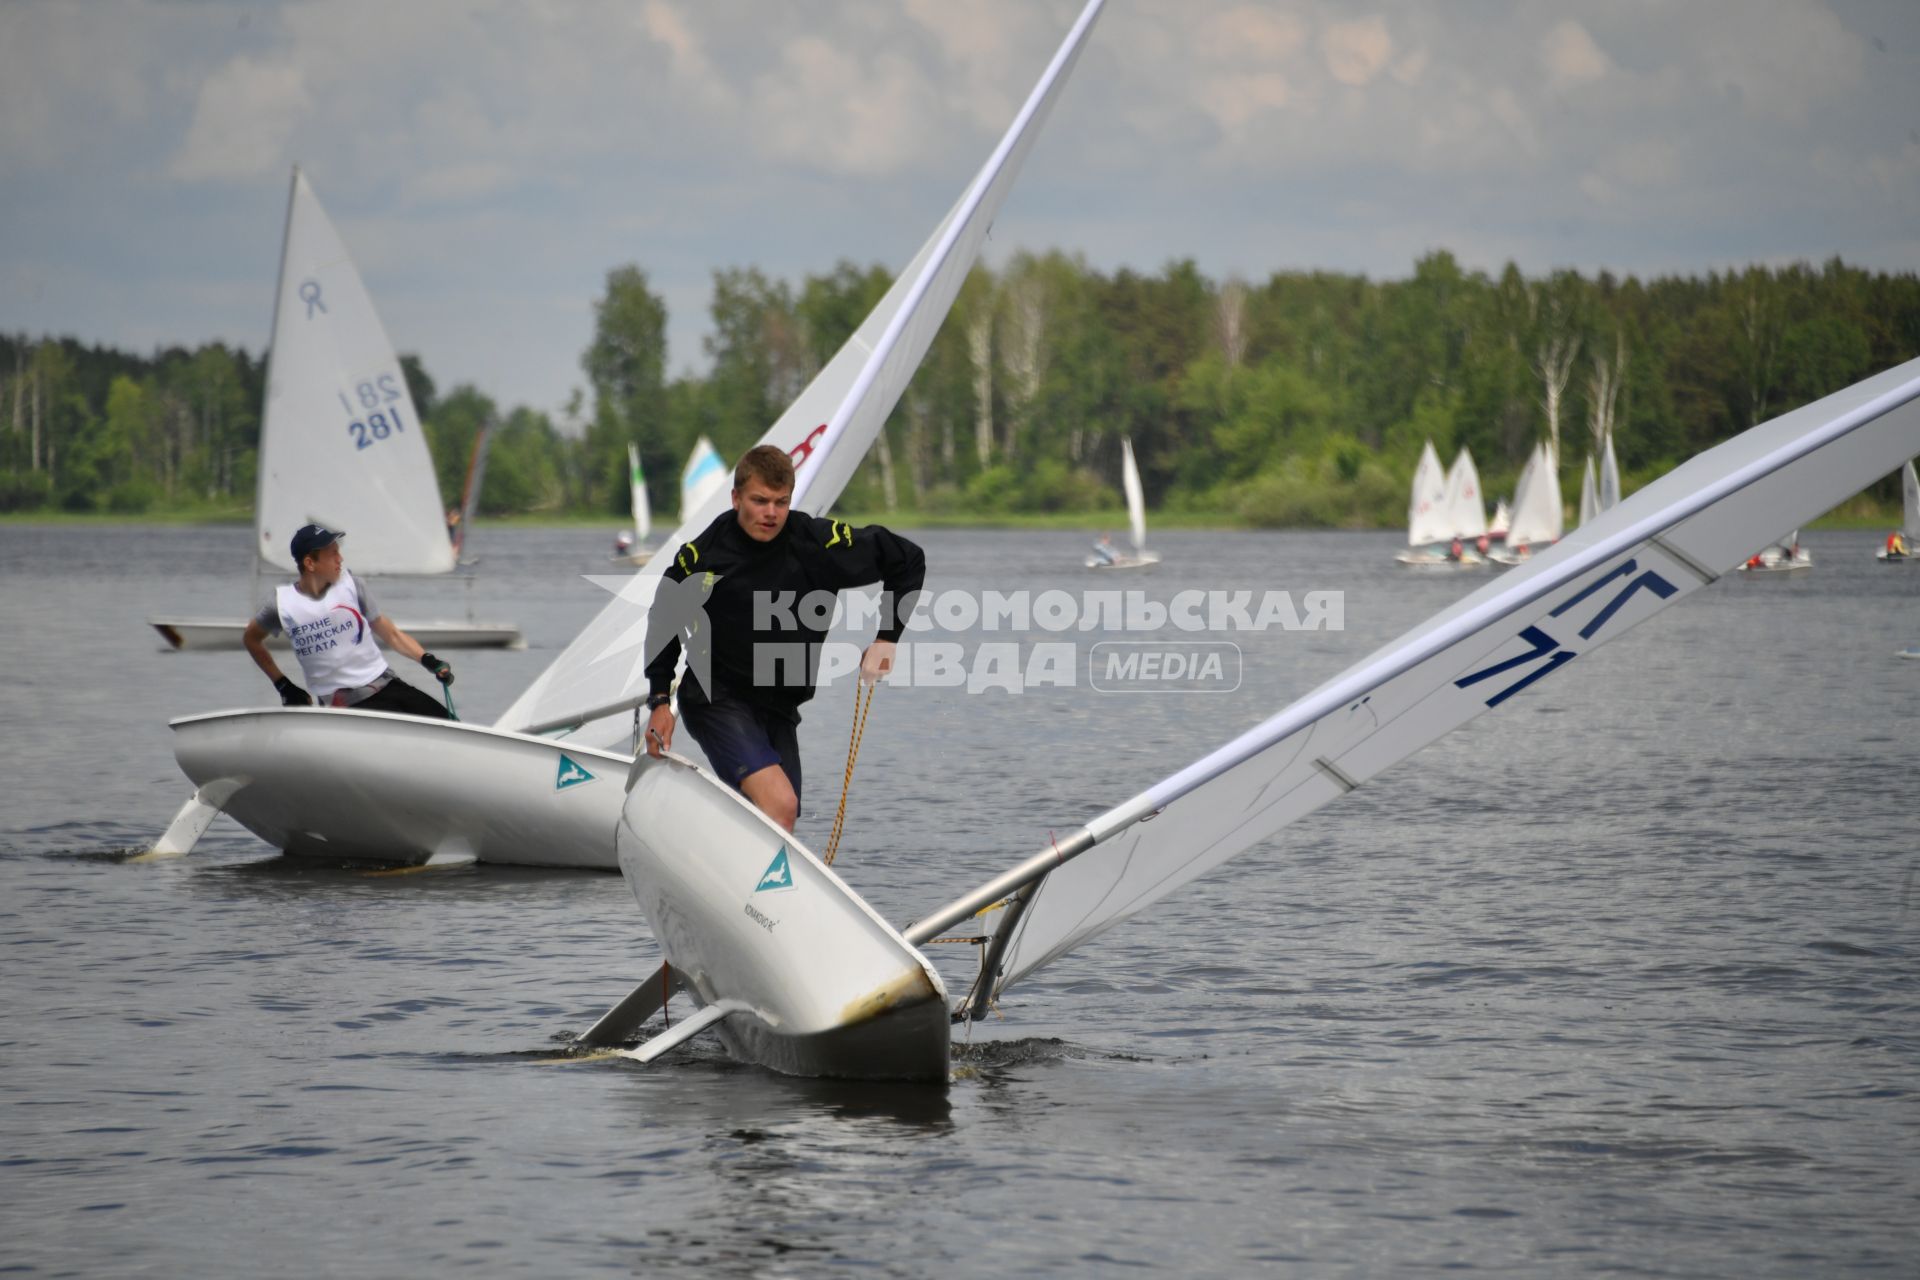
(704, 476)
(1428, 520)
(1609, 494)
(1136, 497)
(1466, 505)
(637, 495)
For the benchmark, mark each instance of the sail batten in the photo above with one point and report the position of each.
(1656, 547)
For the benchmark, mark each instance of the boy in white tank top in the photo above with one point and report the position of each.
(336, 631)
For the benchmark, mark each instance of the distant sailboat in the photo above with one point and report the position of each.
(703, 476)
(1428, 519)
(1105, 558)
(1784, 556)
(340, 441)
(1537, 510)
(1589, 496)
(1906, 550)
(632, 548)
(1609, 475)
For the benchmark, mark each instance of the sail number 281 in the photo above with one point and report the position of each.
(377, 415)
(1547, 651)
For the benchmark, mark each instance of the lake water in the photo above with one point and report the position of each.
(1623, 978)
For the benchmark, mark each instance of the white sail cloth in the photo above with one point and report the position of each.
(341, 443)
(1664, 542)
(1428, 518)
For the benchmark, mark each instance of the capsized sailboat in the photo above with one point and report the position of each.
(1653, 549)
(1136, 519)
(1905, 549)
(461, 791)
(340, 441)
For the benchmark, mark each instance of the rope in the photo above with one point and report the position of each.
(862, 703)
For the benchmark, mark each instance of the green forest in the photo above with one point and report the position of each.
(1301, 401)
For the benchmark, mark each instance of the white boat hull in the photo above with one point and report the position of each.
(371, 785)
(749, 917)
(199, 634)
(1436, 560)
(1145, 560)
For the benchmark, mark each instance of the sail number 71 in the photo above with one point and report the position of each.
(1547, 651)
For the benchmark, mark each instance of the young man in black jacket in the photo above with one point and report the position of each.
(766, 576)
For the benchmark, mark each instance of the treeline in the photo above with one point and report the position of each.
(1303, 400)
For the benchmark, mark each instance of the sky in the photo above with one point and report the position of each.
(488, 162)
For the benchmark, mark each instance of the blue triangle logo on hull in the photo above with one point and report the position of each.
(778, 875)
(571, 773)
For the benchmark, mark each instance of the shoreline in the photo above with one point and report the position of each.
(1114, 522)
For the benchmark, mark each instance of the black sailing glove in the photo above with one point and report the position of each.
(441, 671)
(291, 694)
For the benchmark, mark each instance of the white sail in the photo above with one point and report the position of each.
(1657, 546)
(704, 476)
(1537, 514)
(340, 442)
(1910, 506)
(1467, 512)
(1589, 496)
(1609, 493)
(828, 429)
(1427, 515)
(1502, 518)
(1136, 497)
(637, 487)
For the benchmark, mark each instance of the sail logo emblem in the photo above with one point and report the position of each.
(778, 875)
(571, 773)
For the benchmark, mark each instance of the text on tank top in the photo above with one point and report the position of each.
(330, 636)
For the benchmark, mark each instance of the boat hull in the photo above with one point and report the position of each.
(374, 786)
(1440, 561)
(200, 634)
(748, 916)
(1146, 561)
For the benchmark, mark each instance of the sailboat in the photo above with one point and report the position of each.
(1908, 551)
(632, 548)
(1440, 534)
(1609, 494)
(340, 441)
(1589, 496)
(796, 972)
(1784, 556)
(1428, 520)
(1537, 510)
(1136, 518)
(444, 792)
(704, 476)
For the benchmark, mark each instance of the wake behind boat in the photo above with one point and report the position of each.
(341, 444)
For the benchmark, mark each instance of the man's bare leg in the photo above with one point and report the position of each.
(772, 793)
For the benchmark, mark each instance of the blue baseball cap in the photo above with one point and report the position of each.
(310, 538)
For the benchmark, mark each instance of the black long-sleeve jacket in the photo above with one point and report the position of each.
(742, 582)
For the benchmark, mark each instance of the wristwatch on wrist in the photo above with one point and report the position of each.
(657, 700)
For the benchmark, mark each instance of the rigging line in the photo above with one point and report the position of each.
(862, 702)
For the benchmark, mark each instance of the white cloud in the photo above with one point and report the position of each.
(1356, 51)
(245, 114)
(1572, 58)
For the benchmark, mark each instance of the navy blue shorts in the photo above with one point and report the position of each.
(741, 739)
